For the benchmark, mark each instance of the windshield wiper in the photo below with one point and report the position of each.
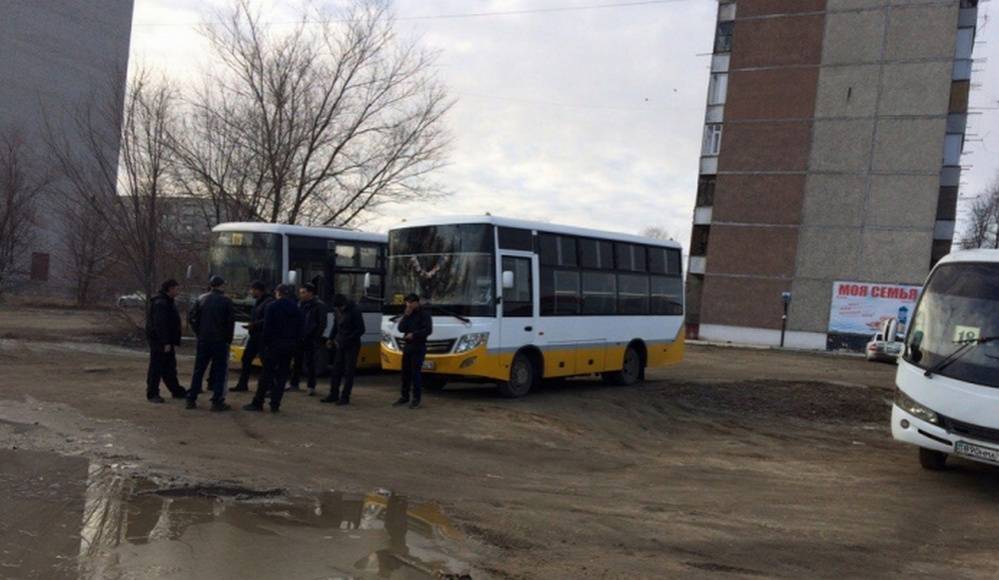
(443, 310)
(966, 347)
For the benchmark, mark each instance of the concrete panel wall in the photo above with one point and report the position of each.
(842, 146)
(853, 37)
(783, 93)
(759, 199)
(888, 256)
(791, 40)
(809, 310)
(750, 8)
(847, 91)
(828, 253)
(777, 146)
(909, 145)
(903, 201)
(922, 32)
(834, 200)
(751, 250)
(736, 301)
(921, 88)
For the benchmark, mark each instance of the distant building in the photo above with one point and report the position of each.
(831, 153)
(56, 56)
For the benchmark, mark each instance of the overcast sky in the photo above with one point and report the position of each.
(585, 117)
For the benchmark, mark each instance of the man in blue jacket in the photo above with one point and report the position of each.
(283, 326)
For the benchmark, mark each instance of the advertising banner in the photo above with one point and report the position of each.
(860, 308)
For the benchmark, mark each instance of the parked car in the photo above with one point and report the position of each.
(133, 300)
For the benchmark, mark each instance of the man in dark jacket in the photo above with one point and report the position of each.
(163, 333)
(416, 325)
(346, 342)
(314, 321)
(213, 320)
(262, 299)
(281, 335)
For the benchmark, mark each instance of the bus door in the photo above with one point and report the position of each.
(518, 314)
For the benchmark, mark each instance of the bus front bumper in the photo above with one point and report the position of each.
(908, 428)
(477, 363)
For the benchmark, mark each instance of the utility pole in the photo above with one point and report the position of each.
(786, 297)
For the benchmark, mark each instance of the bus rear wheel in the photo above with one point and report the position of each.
(932, 459)
(631, 369)
(523, 375)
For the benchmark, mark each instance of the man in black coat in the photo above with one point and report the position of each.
(281, 335)
(163, 333)
(346, 341)
(314, 321)
(213, 320)
(416, 325)
(262, 299)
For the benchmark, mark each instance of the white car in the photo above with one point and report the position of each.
(879, 349)
(133, 300)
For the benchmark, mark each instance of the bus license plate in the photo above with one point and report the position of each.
(976, 452)
(429, 365)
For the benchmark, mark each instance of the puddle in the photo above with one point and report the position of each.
(64, 517)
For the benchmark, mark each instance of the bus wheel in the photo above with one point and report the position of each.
(931, 459)
(631, 369)
(434, 382)
(522, 377)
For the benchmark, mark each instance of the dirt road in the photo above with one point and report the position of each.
(737, 463)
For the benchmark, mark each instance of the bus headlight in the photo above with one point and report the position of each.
(388, 341)
(471, 342)
(913, 408)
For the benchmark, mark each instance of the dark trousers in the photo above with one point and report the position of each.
(162, 366)
(277, 365)
(216, 354)
(344, 367)
(249, 353)
(305, 362)
(412, 373)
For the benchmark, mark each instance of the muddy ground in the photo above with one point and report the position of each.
(737, 463)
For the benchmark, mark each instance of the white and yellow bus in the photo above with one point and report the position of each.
(516, 302)
(335, 260)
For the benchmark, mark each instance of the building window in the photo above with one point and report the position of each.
(699, 240)
(712, 140)
(706, 190)
(965, 43)
(717, 89)
(723, 37)
(726, 11)
(953, 146)
(39, 267)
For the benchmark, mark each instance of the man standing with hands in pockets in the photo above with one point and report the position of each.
(416, 325)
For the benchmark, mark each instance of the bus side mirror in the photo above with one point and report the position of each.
(507, 280)
(293, 277)
(915, 346)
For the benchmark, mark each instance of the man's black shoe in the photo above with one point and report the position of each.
(239, 389)
(191, 405)
(402, 401)
(329, 399)
(275, 409)
(342, 402)
(179, 395)
(156, 399)
(253, 407)
(219, 407)
(415, 404)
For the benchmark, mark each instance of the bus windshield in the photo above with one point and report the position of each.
(448, 266)
(959, 305)
(242, 257)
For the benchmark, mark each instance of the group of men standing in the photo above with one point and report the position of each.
(286, 335)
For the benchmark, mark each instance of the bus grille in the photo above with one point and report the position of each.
(968, 430)
(433, 346)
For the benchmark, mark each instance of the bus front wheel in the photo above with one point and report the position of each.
(931, 459)
(522, 377)
(631, 369)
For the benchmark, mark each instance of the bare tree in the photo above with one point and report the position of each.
(115, 162)
(88, 249)
(657, 233)
(317, 124)
(22, 181)
(982, 230)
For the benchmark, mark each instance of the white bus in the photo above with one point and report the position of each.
(515, 302)
(335, 260)
(947, 397)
